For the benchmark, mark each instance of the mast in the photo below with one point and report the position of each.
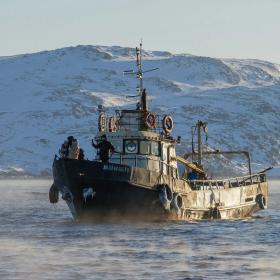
(143, 102)
(199, 144)
(139, 67)
(141, 90)
(200, 125)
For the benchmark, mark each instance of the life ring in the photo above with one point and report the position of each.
(151, 120)
(167, 124)
(261, 201)
(112, 124)
(53, 194)
(102, 122)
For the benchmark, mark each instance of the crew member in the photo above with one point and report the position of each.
(193, 175)
(74, 149)
(105, 148)
(64, 149)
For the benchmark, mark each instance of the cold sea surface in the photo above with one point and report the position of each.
(39, 240)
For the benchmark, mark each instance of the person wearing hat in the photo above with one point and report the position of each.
(105, 148)
(70, 140)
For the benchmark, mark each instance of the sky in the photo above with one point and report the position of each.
(216, 28)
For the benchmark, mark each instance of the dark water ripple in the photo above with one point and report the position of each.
(40, 241)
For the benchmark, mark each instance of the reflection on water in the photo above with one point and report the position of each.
(39, 241)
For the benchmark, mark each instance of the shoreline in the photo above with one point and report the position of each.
(24, 177)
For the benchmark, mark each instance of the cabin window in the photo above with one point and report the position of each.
(149, 148)
(171, 153)
(117, 145)
(164, 152)
(131, 146)
(155, 148)
(145, 147)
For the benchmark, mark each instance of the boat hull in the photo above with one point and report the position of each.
(112, 195)
(97, 191)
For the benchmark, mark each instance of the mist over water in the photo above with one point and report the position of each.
(40, 241)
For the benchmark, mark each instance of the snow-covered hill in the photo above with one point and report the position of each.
(49, 95)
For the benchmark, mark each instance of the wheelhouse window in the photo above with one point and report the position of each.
(142, 147)
(145, 147)
(131, 146)
(149, 148)
(117, 145)
(155, 148)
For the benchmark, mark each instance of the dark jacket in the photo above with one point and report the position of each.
(193, 175)
(104, 149)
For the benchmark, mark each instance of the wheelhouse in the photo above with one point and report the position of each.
(144, 152)
(140, 138)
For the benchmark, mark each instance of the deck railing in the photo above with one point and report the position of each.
(157, 165)
(227, 183)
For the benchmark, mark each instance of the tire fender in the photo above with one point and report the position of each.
(53, 194)
(261, 201)
(165, 196)
(177, 202)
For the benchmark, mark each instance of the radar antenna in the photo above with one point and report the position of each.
(143, 104)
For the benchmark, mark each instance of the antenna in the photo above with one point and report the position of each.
(139, 75)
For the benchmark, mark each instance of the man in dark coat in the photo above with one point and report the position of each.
(105, 147)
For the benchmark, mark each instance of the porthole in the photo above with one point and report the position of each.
(131, 146)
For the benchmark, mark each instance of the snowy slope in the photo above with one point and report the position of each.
(49, 95)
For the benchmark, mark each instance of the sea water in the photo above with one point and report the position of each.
(39, 240)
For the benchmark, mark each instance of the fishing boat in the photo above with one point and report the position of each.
(142, 179)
